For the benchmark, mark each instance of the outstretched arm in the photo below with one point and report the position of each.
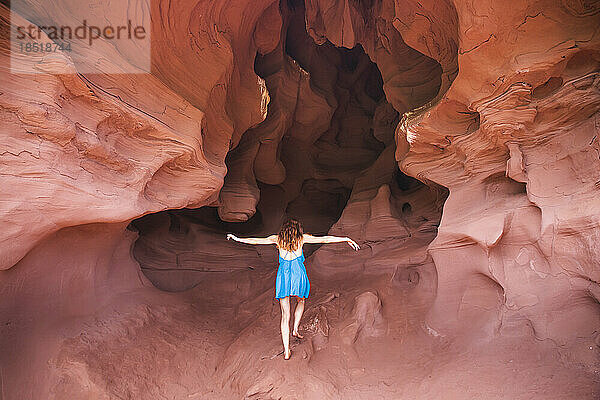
(268, 240)
(330, 239)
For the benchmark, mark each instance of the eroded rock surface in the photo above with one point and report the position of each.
(455, 141)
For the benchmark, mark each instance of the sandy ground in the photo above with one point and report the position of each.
(215, 348)
(365, 338)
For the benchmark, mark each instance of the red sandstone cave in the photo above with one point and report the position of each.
(456, 141)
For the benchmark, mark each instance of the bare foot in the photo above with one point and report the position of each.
(299, 336)
(288, 355)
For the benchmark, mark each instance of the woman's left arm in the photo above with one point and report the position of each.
(268, 240)
(330, 239)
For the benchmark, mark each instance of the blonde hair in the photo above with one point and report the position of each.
(290, 235)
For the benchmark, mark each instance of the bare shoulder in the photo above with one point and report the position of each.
(306, 238)
(272, 239)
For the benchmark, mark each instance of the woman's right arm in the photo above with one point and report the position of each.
(268, 240)
(330, 239)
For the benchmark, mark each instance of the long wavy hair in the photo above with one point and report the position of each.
(290, 235)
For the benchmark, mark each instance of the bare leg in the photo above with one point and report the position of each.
(285, 325)
(297, 316)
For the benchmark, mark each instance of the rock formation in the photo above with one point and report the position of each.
(455, 141)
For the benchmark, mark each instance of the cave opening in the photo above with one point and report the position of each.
(325, 147)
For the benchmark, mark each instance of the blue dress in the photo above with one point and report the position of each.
(291, 278)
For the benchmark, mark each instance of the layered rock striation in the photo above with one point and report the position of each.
(456, 141)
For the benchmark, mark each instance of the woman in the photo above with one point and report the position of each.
(291, 276)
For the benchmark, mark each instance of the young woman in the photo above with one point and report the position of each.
(291, 276)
